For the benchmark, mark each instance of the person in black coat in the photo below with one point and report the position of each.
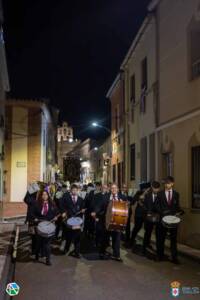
(30, 199)
(167, 204)
(44, 210)
(114, 195)
(139, 216)
(124, 191)
(149, 208)
(99, 207)
(72, 205)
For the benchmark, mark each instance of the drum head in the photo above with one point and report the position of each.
(74, 221)
(46, 228)
(171, 220)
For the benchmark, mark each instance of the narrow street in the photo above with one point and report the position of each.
(89, 278)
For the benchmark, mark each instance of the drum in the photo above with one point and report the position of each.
(74, 223)
(117, 215)
(152, 217)
(46, 229)
(171, 221)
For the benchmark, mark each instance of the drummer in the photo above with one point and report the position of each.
(44, 210)
(72, 205)
(114, 195)
(167, 204)
(149, 208)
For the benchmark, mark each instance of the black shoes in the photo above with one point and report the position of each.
(119, 259)
(48, 262)
(175, 261)
(75, 254)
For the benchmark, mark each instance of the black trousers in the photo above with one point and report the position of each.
(128, 226)
(101, 236)
(73, 236)
(89, 226)
(161, 233)
(33, 243)
(43, 246)
(116, 237)
(148, 226)
(138, 225)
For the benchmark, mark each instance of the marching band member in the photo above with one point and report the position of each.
(114, 195)
(124, 191)
(44, 209)
(30, 199)
(150, 207)
(72, 205)
(98, 213)
(167, 204)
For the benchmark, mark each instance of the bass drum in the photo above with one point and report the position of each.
(117, 215)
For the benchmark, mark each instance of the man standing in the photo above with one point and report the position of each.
(150, 210)
(98, 214)
(114, 195)
(71, 206)
(167, 204)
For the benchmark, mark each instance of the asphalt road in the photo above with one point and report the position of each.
(92, 279)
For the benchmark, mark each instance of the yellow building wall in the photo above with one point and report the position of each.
(180, 138)
(19, 154)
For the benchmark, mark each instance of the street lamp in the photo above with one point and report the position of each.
(95, 124)
(95, 148)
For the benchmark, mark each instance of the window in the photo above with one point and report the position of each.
(196, 177)
(194, 44)
(143, 159)
(167, 164)
(133, 162)
(114, 173)
(116, 120)
(144, 84)
(132, 86)
(119, 175)
(152, 157)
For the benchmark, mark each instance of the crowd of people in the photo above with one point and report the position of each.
(58, 203)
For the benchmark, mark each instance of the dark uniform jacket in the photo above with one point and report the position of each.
(36, 212)
(162, 206)
(149, 203)
(67, 205)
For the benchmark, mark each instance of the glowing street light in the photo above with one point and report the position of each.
(95, 124)
(95, 148)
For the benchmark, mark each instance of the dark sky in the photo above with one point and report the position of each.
(70, 52)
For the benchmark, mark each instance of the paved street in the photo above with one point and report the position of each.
(89, 278)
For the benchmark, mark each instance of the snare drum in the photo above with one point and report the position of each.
(171, 222)
(46, 229)
(74, 223)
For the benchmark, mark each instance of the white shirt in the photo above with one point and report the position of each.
(74, 198)
(114, 197)
(154, 197)
(44, 206)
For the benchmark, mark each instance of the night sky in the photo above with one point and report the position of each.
(70, 53)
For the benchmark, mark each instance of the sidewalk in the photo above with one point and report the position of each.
(184, 250)
(7, 233)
